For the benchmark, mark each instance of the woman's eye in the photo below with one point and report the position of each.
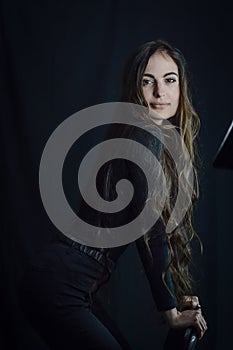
(147, 82)
(170, 80)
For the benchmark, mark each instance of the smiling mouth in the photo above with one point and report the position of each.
(158, 105)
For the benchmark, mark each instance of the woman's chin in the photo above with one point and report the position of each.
(157, 117)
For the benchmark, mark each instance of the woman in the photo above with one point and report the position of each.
(56, 293)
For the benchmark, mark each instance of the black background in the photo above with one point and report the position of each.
(58, 57)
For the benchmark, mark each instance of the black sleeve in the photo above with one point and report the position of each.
(154, 266)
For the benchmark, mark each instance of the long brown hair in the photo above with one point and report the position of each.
(187, 123)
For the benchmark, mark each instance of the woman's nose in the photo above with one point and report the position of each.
(159, 90)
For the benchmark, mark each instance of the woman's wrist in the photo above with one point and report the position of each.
(171, 316)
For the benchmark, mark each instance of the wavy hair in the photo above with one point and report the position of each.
(187, 123)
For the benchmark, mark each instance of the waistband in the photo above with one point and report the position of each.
(90, 251)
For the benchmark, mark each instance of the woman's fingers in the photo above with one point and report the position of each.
(193, 318)
(187, 318)
(200, 324)
(202, 320)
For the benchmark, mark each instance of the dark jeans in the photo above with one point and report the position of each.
(55, 297)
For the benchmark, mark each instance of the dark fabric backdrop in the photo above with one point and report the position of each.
(58, 57)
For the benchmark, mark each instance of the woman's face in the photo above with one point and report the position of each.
(160, 86)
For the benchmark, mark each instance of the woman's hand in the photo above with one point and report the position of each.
(187, 318)
(190, 302)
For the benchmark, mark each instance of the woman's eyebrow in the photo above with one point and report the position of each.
(170, 74)
(165, 75)
(149, 75)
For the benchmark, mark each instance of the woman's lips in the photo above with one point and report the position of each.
(158, 105)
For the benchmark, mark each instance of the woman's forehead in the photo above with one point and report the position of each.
(161, 63)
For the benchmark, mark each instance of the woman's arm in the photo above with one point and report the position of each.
(155, 265)
(164, 295)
